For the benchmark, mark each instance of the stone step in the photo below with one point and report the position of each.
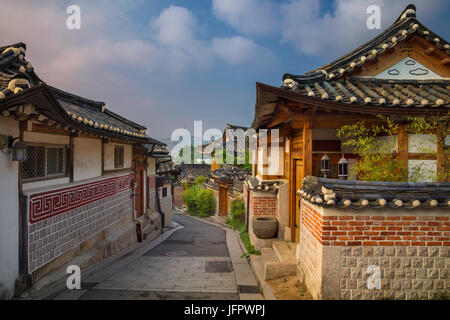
(278, 269)
(284, 252)
(257, 264)
(268, 254)
(273, 267)
(148, 231)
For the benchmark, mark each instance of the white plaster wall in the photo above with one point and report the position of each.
(422, 170)
(37, 137)
(87, 158)
(9, 214)
(261, 159)
(276, 164)
(44, 183)
(272, 156)
(109, 156)
(422, 143)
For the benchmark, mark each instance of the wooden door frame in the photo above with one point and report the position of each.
(293, 194)
(225, 195)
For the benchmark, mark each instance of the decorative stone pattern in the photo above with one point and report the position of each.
(414, 272)
(45, 205)
(52, 237)
(412, 253)
(351, 230)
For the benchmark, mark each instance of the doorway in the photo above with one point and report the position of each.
(223, 201)
(299, 173)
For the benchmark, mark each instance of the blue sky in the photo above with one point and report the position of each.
(166, 63)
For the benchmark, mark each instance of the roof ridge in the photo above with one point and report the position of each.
(406, 25)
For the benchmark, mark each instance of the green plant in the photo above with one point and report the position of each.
(237, 222)
(373, 145)
(237, 209)
(437, 125)
(200, 202)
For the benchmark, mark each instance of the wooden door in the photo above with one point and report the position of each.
(223, 201)
(299, 174)
(139, 192)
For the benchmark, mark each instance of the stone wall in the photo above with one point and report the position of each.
(177, 199)
(166, 203)
(60, 219)
(151, 193)
(411, 250)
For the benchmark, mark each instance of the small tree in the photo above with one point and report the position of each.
(237, 210)
(377, 162)
(437, 125)
(200, 202)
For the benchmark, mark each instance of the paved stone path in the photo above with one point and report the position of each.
(193, 263)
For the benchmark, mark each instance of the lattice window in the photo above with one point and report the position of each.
(118, 157)
(45, 162)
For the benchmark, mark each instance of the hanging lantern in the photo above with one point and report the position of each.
(325, 168)
(19, 151)
(343, 168)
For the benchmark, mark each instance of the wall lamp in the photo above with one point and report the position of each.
(19, 149)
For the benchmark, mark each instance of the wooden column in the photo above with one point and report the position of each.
(307, 148)
(403, 148)
(442, 163)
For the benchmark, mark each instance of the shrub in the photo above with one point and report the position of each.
(206, 203)
(238, 209)
(200, 202)
(236, 220)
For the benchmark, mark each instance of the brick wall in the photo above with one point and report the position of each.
(411, 250)
(366, 230)
(63, 218)
(177, 199)
(263, 204)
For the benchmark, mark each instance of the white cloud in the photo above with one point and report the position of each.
(251, 17)
(303, 23)
(175, 26)
(236, 50)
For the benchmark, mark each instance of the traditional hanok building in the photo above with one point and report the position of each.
(335, 229)
(227, 183)
(72, 173)
(187, 174)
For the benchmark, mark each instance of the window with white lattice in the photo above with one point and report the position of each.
(45, 162)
